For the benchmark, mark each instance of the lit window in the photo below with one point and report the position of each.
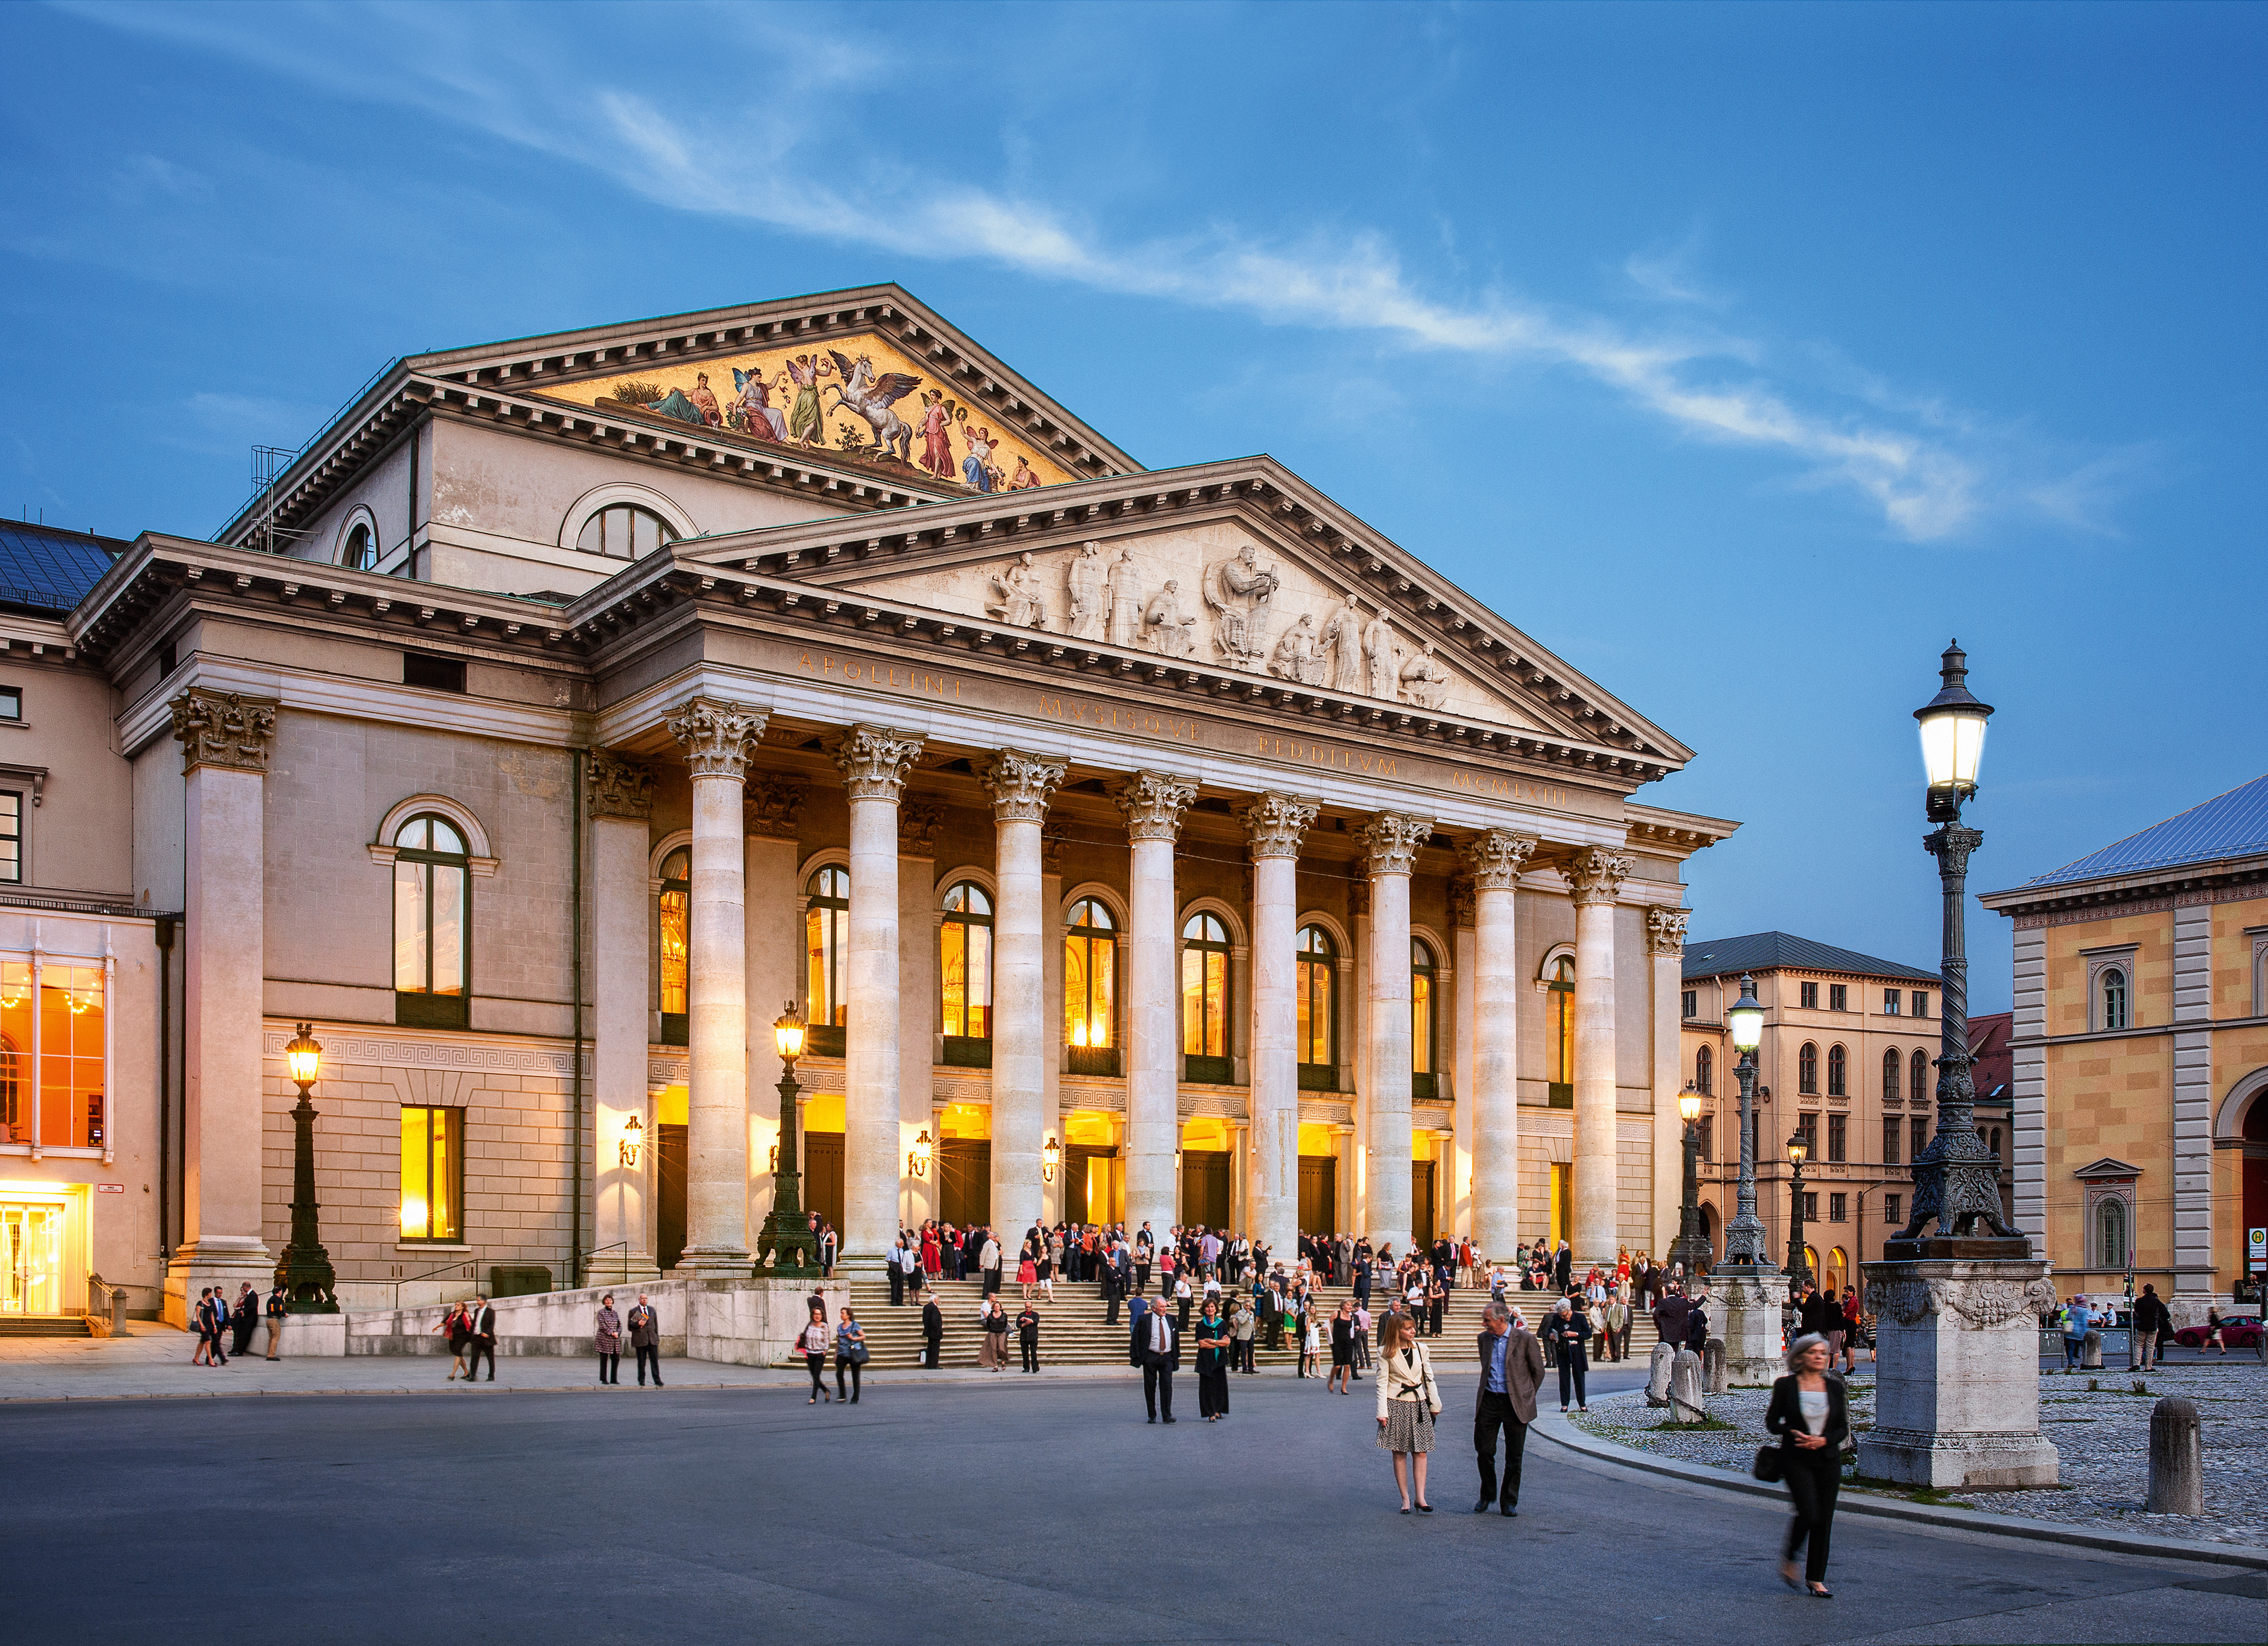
(1838, 1079)
(12, 837)
(1090, 984)
(2114, 998)
(826, 939)
(1806, 1070)
(1423, 1030)
(432, 881)
(1561, 1092)
(14, 1127)
(626, 531)
(432, 1173)
(1318, 1050)
(965, 962)
(61, 1102)
(673, 918)
(1205, 1000)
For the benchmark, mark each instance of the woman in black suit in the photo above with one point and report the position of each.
(1214, 1345)
(1808, 1413)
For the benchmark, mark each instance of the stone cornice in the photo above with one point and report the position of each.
(1274, 823)
(2229, 879)
(227, 730)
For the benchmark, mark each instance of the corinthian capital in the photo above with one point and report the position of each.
(619, 788)
(1494, 858)
(1153, 803)
(716, 736)
(918, 822)
(224, 729)
(1665, 930)
(1597, 876)
(1274, 824)
(1390, 841)
(1021, 785)
(773, 806)
(874, 761)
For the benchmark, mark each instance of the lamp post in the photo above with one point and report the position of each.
(1956, 1180)
(785, 1231)
(1746, 1240)
(1690, 1248)
(305, 1276)
(1798, 1266)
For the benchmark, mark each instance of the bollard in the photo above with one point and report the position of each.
(1686, 1402)
(2090, 1353)
(1712, 1367)
(2177, 1460)
(1657, 1381)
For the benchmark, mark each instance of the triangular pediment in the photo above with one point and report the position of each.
(2108, 1166)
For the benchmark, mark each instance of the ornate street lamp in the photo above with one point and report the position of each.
(787, 1231)
(1690, 1248)
(1798, 1266)
(1050, 1155)
(1746, 1241)
(1956, 1180)
(305, 1276)
(918, 1158)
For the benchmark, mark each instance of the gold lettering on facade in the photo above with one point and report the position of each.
(1332, 756)
(893, 677)
(1125, 718)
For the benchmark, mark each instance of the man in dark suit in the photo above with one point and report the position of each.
(1106, 1272)
(484, 1339)
(1670, 1316)
(1160, 1350)
(1512, 1367)
(932, 1332)
(1563, 1268)
(645, 1328)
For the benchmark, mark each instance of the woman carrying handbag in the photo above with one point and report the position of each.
(1408, 1403)
(850, 1354)
(1808, 1413)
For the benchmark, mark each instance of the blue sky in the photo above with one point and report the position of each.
(1739, 355)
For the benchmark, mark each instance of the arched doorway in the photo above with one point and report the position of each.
(2255, 1184)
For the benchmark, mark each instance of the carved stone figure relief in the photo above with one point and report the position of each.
(1236, 591)
(1019, 601)
(1164, 630)
(1086, 598)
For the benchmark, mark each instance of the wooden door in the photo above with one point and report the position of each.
(1421, 1204)
(822, 1177)
(669, 1206)
(1319, 1197)
(964, 1181)
(1205, 1188)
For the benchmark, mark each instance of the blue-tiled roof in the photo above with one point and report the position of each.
(1773, 950)
(49, 570)
(2234, 825)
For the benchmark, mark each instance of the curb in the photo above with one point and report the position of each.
(1069, 1375)
(1560, 1432)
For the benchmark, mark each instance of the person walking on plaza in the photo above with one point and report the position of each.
(812, 1344)
(278, 1307)
(1511, 1370)
(1808, 1413)
(218, 1314)
(1214, 1346)
(1571, 1327)
(1241, 1322)
(645, 1339)
(849, 1353)
(1613, 1327)
(1697, 1326)
(1408, 1403)
(201, 1319)
(987, 1345)
(932, 1332)
(1159, 1352)
(1027, 1337)
(2152, 1321)
(1341, 1347)
(482, 1319)
(2076, 1320)
(608, 1337)
(1362, 1323)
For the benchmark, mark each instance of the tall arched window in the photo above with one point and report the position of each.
(625, 531)
(432, 923)
(675, 911)
(1918, 1091)
(2110, 1233)
(1839, 1074)
(1319, 1042)
(2114, 998)
(964, 975)
(1806, 1070)
(1704, 1072)
(1090, 982)
(827, 947)
(1424, 1020)
(1892, 1067)
(1560, 1094)
(1204, 1001)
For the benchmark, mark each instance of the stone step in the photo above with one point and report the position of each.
(43, 1326)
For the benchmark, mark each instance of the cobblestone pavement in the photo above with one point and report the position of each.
(2102, 1435)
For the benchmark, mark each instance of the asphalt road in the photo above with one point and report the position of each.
(1007, 1514)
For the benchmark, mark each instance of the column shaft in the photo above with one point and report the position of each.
(619, 803)
(1392, 841)
(1596, 876)
(774, 965)
(1153, 803)
(1020, 784)
(1496, 859)
(874, 761)
(1274, 825)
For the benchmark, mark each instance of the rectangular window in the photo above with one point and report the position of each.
(1890, 1003)
(11, 702)
(1890, 1209)
(12, 837)
(1810, 1206)
(1890, 1140)
(71, 1086)
(1808, 995)
(1839, 1209)
(1708, 1129)
(1421, 1023)
(432, 1173)
(1692, 1002)
(1921, 1003)
(1921, 1135)
(1838, 1140)
(1838, 997)
(1808, 1124)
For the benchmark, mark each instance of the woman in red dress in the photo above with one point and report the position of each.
(933, 1262)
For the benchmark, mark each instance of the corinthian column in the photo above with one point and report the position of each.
(620, 800)
(1273, 827)
(1665, 941)
(1596, 876)
(1494, 860)
(716, 738)
(1020, 784)
(1153, 803)
(225, 740)
(1390, 842)
(874, 761)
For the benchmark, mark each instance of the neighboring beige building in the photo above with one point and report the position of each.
(2141, 1054)
(562, 710)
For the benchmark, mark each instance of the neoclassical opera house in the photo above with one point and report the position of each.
(1164, 847)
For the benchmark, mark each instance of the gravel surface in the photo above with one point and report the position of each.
(2103, 1437)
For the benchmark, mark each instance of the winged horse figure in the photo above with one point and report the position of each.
(871, 396)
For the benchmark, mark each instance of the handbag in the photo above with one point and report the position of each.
(1770, 1460)
(857, 1354)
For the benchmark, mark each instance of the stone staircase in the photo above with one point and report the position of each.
(44, 1325)
(1074, 1332)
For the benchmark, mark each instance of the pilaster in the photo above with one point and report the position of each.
(618, 797)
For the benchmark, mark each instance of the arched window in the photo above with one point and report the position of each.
(964, 973)
(676, 908)
(1806, 1070)
(1994, 1144)
(827, 947)
(1560, 1094)
(625, 531)
(1704, 1072)
(1425, 1020)
(1892, 1067)
(2114, 998)
(1204, 1001)
(359, 552)
(1918, 1092)
(1319, 1042)
(432, 923)
(1838, 1077)
(2110, 1233)
(1090, 981)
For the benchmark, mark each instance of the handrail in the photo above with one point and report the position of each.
(612, 1245)
(465, 1264)
(106, 1307)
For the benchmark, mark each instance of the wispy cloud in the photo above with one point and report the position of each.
(501, 72)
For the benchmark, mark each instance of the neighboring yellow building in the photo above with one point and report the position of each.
(2142, 1052)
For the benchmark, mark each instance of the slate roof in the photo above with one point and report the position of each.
(1776, 950)
(2234, 825)
(47, 569)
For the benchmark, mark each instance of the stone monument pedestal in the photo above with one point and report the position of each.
(1745, 1308)
(1956, 1368)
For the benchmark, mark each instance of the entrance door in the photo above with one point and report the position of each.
(669, 1203)
(1205, 1188)
(1090, 1184)
(1319, 1194)
(964, 1181)
(822, 1178)
(31, 1258)
(1421, 1204)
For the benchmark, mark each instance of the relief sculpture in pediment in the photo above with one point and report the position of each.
(1164, 628)
(1087, 599)
(1299, 655)
(1236, 591)
(1018, 599)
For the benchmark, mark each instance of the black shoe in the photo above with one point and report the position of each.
(1169, 1420)
(1482, 1506)
(1509, 1512)
(1152, 1418)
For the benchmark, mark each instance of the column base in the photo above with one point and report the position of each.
(1974, 1461)
(1956, 1373)
(1744, 1310)
(714, 1263)
(225, 1260)
(620, 1269)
